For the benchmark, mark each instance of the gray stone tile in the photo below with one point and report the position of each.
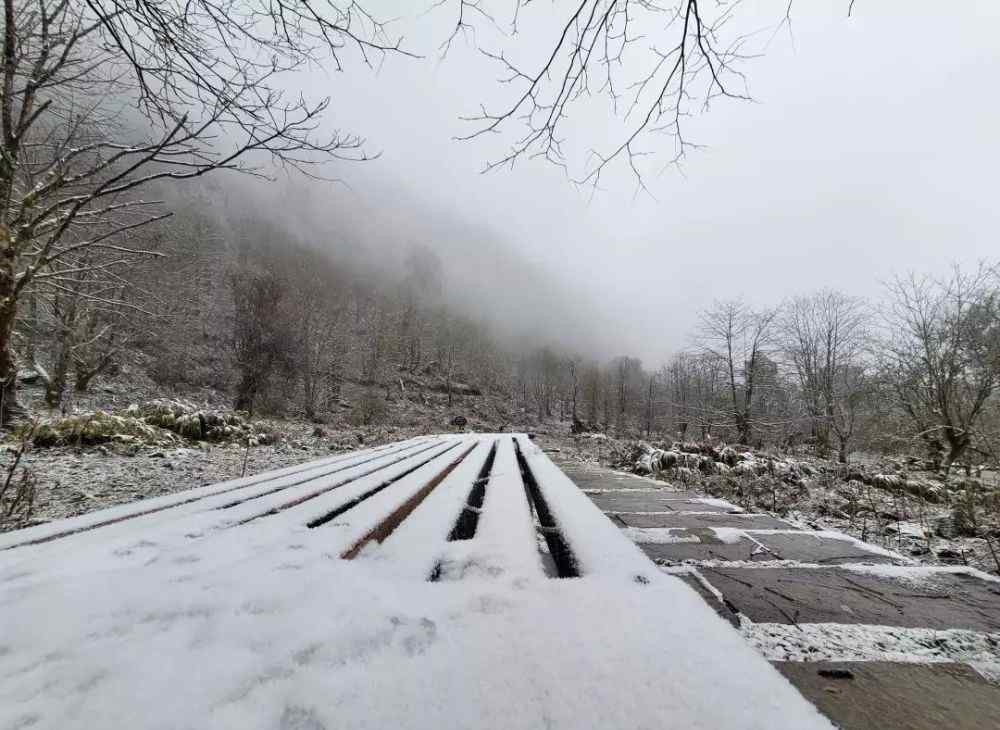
(678, 552)
(682, 504)
(836, 595)
(807, 547)
(592, 477)
(714, 603)
(868, 695)
(673, 519)
(631, 502)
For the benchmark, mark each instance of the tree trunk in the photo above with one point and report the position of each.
(55, 387)
(743, 431)
(29, 352)
(245, 391)
(957, 444)
(85, 374)
(10, 409)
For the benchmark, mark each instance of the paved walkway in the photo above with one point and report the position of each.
(873, 640)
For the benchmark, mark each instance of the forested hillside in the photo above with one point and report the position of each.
(275, 318)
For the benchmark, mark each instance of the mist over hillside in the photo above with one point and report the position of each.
(487, 275)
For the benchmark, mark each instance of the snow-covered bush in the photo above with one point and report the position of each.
(200, 424)
(97, 428)
(161, 422)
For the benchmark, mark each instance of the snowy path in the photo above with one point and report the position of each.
(411, 586)
(897, 642)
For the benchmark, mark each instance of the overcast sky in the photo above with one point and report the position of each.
(870, 148)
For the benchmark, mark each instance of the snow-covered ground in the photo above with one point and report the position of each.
(223, 608)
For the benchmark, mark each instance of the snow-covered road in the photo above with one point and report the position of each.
(342, 594)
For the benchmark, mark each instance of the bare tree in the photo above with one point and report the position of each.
(941, 350)
(738, 337)
(573, 371)
(693, 386)
(421, 291)
(317, 316)
(81, 79)
(592, 392)
(261, 341)
(824, 336)
(654, 63)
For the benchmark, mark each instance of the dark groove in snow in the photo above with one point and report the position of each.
(558, 549)
(333, 514)
(380, 455)
(320, 492)
(153, 510)
(468, 520)
(388, 525)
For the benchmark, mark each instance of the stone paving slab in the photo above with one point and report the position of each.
(711, 600)
(868, 695)
(835, 595)
(591, 477)
(679, 494)
(636, 502)
(692, 505)
(652, 501)
(667, 494)
(677, 552)
(807, 547)
(676, 519)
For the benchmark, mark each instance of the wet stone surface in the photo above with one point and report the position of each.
(677, 519)
(632, 502)
(668, 494)
(744, 550)
(591, 477)
(835, 595)
(698, 587)
(854, 695)
(806, 547)
(693, 505)
(866, 695)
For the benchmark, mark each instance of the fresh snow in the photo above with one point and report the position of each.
(659, 535)
(716, 502)
(672, 535)
(860, 642)
(191, 616)
(836, 535)
(919, 573)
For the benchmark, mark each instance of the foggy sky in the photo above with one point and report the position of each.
(870, 149)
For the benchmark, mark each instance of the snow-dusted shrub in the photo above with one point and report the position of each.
(928, 489)
(369, 410)
(644, 464)
(97, 428)
(728, 456)
(888, 481)
(161, 422)
(687, 475)
(667, 460)
(201, 424)
(750, 467)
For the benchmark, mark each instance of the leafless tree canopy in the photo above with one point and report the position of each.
(942, 352)
(102, 99)
(826, 337)
(654, 64)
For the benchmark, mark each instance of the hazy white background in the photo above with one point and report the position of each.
(870, 149)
